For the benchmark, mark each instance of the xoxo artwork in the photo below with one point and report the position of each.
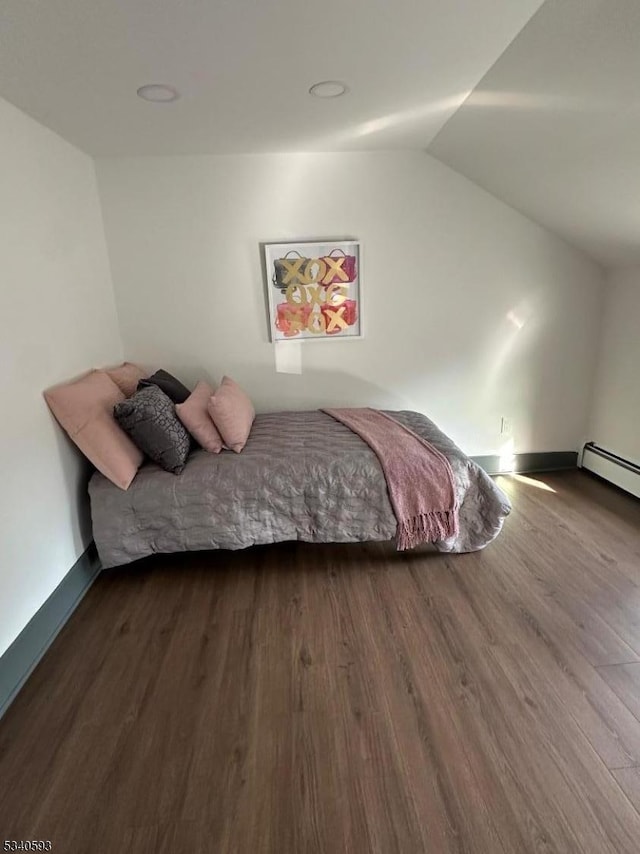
(314, 290)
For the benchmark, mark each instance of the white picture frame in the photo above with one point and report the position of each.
(314, 290)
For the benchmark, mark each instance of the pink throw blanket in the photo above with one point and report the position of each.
(419, 477)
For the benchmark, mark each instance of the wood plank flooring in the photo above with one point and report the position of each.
(301, 699)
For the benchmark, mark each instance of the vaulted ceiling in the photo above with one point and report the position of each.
(554, 127)
(244, 69)
(537, 102)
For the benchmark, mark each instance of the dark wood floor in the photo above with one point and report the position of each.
(305, 698)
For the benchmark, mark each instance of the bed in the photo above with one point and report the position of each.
(301, 476)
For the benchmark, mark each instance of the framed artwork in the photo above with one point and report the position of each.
(314, 290)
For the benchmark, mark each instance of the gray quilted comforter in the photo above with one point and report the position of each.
(301, 476)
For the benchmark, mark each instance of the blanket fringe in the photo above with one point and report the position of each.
(426, 528)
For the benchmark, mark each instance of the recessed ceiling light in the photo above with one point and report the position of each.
(158, 92)
(328, 89)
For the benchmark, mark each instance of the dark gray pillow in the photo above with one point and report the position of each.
(149, 417)
(171, 386)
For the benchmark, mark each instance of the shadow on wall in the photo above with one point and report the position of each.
(309, 390)
(76, 470)
(515, 385)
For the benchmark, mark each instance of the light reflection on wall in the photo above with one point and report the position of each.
(512, 337)
(507, 456)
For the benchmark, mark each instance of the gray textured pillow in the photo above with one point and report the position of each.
(149, 417)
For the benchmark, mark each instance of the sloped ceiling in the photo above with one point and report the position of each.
(244, 68)
(536, 102)
(554, 127)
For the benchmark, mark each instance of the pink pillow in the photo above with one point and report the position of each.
(126, 376)
(232, 413)
(84, 408)
(194, 415)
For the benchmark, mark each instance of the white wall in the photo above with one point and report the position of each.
(444, 265)
(57, 318)
(615, 423)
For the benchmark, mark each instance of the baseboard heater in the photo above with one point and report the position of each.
(611, 467)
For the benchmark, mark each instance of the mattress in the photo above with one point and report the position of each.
(301, 476)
